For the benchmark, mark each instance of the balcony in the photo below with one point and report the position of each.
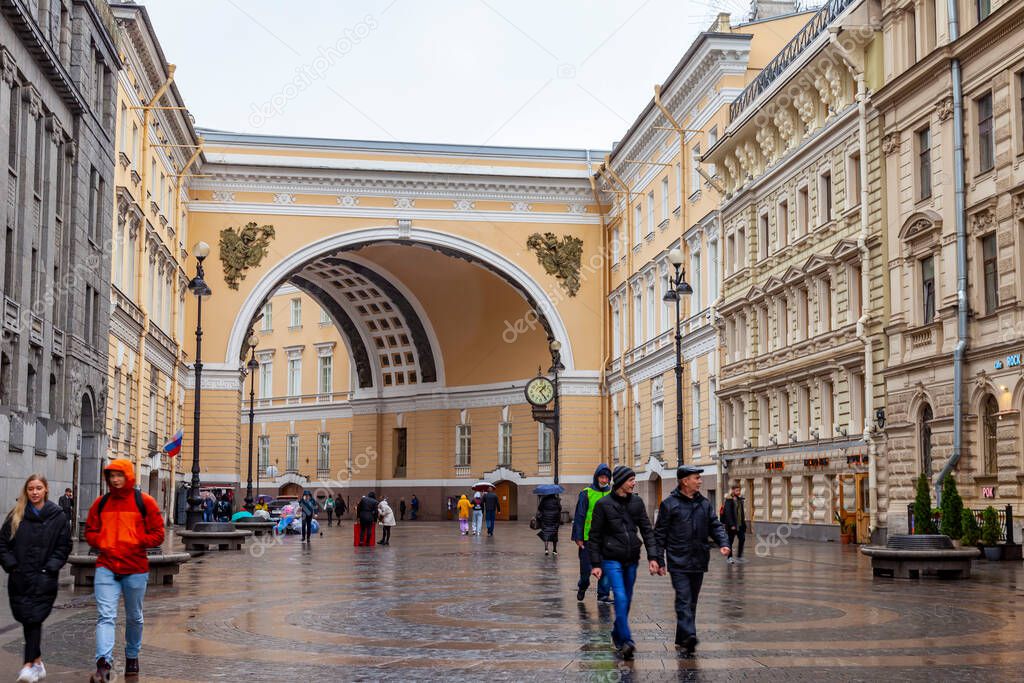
(35, 332)
(543, 469)
(12, 315)
(58, 342)
(462, 472)
(323, 473)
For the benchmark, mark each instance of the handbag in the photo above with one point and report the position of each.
(534, 523)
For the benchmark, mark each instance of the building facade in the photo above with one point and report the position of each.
(804, 297)
(922, 224)
(157, 153)
(661, 197)
(56, 132)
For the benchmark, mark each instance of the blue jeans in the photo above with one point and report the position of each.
(478, 521)
(489, 516)
(108, 590)
(584, 582)
(621, 577)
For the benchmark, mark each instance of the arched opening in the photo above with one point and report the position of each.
(508, 500)
(989, 437)
(154, 484)
(924, 430)
(290, 489)
(5, 380)
(53, 397)
(90, 468)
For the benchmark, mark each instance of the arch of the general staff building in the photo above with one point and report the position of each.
(418, 253)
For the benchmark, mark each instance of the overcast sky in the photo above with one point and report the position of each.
(551, 73)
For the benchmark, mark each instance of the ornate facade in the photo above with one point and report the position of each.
(56, 132)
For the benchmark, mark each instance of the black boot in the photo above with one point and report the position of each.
(102, 674)
(131, 667)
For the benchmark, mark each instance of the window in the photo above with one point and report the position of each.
(615, 246)
(911, 33)
(323, 452)
(325, 374)
(679, 184)
(986, 140)
(650, 213)
(783, 416)
(651, 310)
(764, 420)
(638, 225)
(95, 205)
(803, 412)
(616, 333)
(505, 444)
(730, 254)
(1020, 104)
(266, 378)
(694, 278)
(267, 319)
(928, 289)
(658, 425)
(664, 198)
(991, 275)
(762, 329)
(825, 197)
(294, 376)
(990, 411)
(853, 275)
(712, 271)
(803, 313)
(668, 308)
(741, 247)
(296, 313)
(924, 163)
(135, 143)
(803, 211)
(782, 223)
(463, 445)
(712, 139)
(853, 187)
(712, 410)
(762, 236)
(925, 440)
(695, 171)
(827, 401)
(263, 452)
(824, 305)
(544, 446)
(292, 453)
(638, 321)
(782, 316)
(695, 418)
(984, 8)
(855, 381)
(636, 425)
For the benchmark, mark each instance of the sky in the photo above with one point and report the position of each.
(534, 73)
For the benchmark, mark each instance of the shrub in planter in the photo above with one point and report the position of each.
(923, 523)
(990, 527)
(952, 507)
(969, 526)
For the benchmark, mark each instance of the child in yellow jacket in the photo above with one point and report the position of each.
(464, 506)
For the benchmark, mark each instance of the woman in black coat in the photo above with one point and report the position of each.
(35, 542)
(549, 516)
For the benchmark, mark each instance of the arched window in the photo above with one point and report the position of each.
(925, 446)
(990, 423)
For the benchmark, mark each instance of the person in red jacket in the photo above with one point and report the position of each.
(121, 525)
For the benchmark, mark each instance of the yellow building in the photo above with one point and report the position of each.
(157, 151)
(661, 197)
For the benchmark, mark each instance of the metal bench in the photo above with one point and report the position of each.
(910, 557)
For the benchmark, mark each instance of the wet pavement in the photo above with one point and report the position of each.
(439, 606)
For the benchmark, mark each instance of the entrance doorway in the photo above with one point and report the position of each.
(292, 489)
(853, 504)
(400, 451)
(90, 471)
(508, 499)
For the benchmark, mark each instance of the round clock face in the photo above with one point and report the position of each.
(540, 391)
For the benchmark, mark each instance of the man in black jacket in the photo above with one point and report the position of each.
(366, 513)
(735, 520)
(615, 549)
(686, 521)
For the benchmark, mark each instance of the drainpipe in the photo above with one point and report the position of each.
(961, 252)
(606, 336)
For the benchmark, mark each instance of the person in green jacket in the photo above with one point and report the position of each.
(588, 498)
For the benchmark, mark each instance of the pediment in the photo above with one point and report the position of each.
(754, 294)
(793, 275)
(845, 250)
(773, 285)
(816, 264)
(920, 224)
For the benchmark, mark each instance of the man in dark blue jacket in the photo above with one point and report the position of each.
(588, 498)
(686, 522)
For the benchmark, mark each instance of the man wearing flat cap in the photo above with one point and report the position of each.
(686, 527)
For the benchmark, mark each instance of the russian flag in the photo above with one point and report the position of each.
(173, 447)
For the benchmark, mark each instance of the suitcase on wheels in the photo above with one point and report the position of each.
(357, 528)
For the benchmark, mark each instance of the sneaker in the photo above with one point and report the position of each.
(605, 599)
(627, 650)
(27, 674)
(554, 552)
(546, 553)
(581, 594)
(730, 560)
(131, 667)
(102, 674)
(687, 645)
(40, 671)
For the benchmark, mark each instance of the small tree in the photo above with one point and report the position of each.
(969, 526)
(923, 522)
(990, 526)
(952, 506)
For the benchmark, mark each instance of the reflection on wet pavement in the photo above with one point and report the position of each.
(438, 605)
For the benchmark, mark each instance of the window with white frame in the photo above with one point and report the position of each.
(638, 224)
(544, 445)
(712, 139)
(325, 317)
(323, 452)
(650, 213)
(695, 408)
(668, 308)
(294, 376)
(292, 453)
(658, 425)
(664, 198)
(694, 171)
(615, 246)
(853, 186)
(694, 280)
(325, 373)
(712, 271)
(638, 320)
(616, 332)
(296, 313)
(636, 425)
(712, 410)
(463, 445)
(266, 377)
(651, 310)
(263, 452)
(825, 197)
(266, 322)
(505, 444)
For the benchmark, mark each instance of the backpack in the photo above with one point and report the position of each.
(138, 503)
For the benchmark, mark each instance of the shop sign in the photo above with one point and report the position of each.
(774, 465)
(1012, 361)
(815, 462)
(859, 459)
(988, 491)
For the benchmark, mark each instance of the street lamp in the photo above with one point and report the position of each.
(201, 290)
(252, 366)
(679, 288)
(555, 347)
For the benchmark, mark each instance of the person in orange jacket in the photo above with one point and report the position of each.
(121, 525)
(464, 505)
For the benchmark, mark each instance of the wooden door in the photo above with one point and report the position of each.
(863, 507)
(506, 492)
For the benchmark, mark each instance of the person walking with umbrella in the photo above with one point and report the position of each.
(549, 517)
(581, 522)
(686, 521)
(615, 549)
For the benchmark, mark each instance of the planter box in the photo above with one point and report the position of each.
(993, 553)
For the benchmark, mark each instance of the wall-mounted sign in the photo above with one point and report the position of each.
(988, 491)
(815, 462)
(1012, 361)
(774, 465)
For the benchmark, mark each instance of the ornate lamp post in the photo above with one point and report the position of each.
(556, 366)
(251, 366)
(201, 290)
(679, 288)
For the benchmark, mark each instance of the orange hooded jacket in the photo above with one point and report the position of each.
(122, 535)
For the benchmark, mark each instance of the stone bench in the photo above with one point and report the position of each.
(162, 568)
(214, 540)
(912, 557)
(258, 527)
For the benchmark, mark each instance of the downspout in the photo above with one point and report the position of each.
(961, 252)
(606, 337)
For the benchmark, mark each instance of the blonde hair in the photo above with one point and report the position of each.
(17, 513)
